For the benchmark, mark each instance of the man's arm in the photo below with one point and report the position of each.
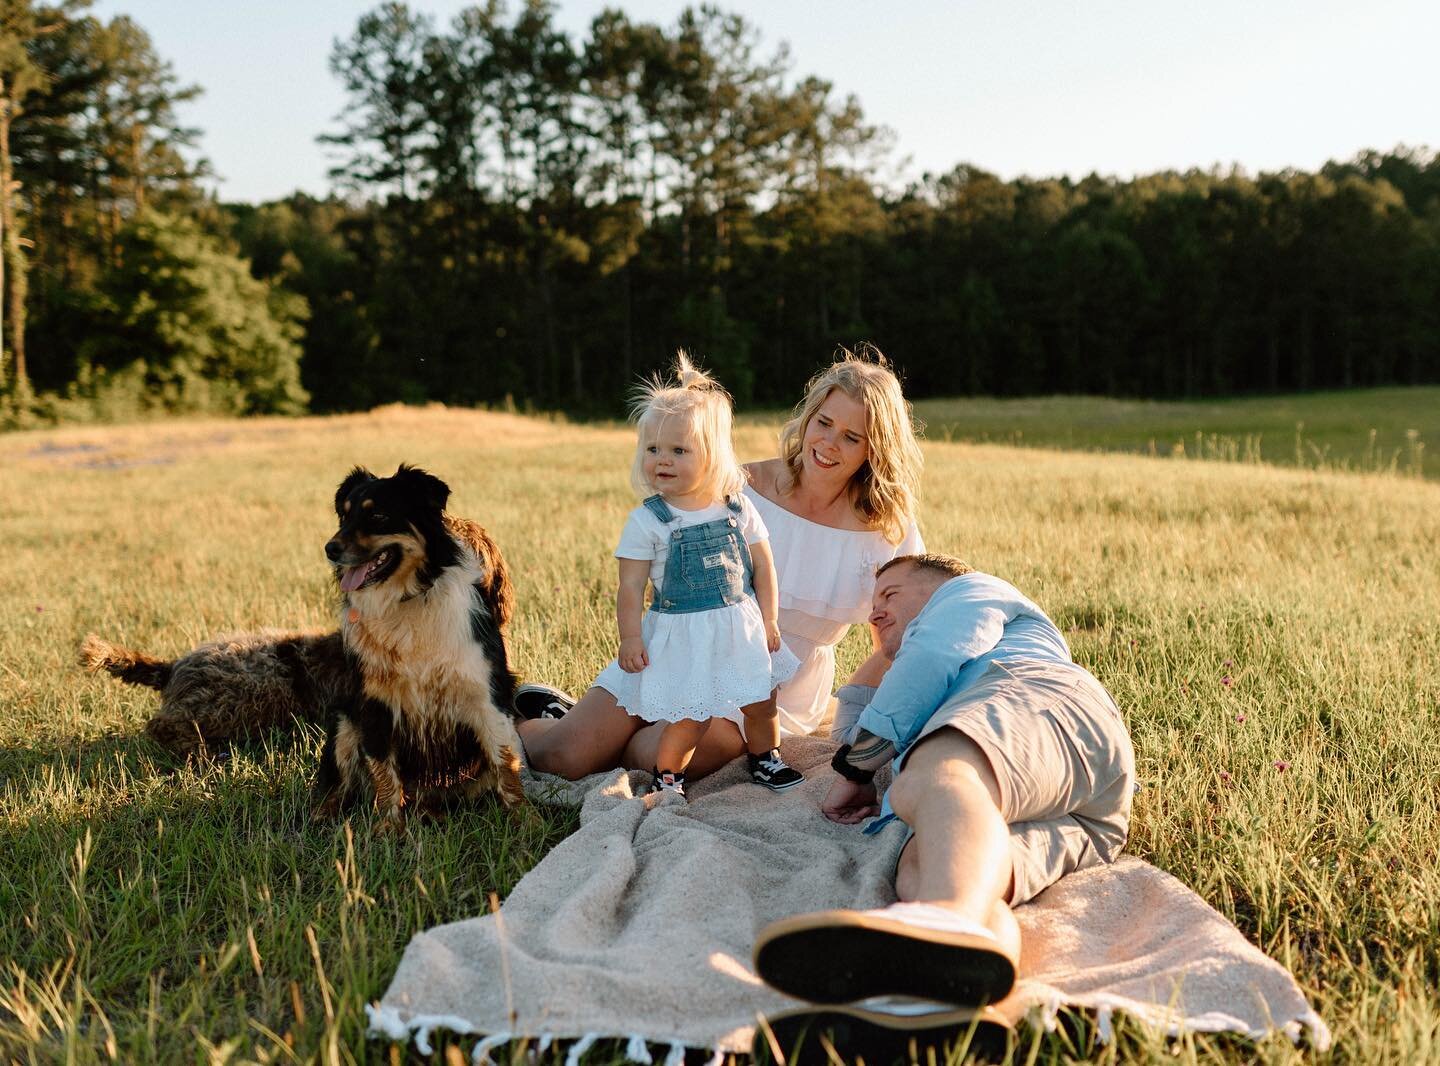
(965, 620)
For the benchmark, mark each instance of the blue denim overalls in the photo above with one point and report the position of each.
(708, 565)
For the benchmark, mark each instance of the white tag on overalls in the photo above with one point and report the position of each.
(712, 561)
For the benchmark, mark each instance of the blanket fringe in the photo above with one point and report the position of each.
(572, 1057)
(387, 1022)
(480, 1055)
(1105, 1007)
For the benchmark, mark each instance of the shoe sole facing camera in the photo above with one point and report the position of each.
(822, 1036)
(865, 954)
(541, 701)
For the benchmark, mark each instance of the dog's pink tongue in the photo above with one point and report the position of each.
(354, 577)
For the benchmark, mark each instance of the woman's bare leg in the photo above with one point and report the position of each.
(721, 744)
(590, 737)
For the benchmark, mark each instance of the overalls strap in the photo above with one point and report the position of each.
(657, 506)
(733, 502)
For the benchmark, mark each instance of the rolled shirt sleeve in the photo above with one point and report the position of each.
(963, 620)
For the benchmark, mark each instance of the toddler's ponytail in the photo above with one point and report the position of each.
(694, 394)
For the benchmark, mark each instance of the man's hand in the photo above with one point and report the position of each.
(632, 655)
(849, 803)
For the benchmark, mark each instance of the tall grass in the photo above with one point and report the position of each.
(1269, 632)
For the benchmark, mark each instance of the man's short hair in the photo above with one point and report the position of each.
(946, 565)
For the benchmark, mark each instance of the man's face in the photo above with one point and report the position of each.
(901, 593)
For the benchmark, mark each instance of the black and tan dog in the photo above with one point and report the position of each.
(415, 688)
(424, 596)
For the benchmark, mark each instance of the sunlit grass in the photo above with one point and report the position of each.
(156, 912)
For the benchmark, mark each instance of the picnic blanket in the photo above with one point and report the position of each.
(639, 926)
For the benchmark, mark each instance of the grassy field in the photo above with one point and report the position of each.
(1369, 430)
(1270, 633)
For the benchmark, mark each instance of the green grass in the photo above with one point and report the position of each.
(149, 912)
(1372, 430)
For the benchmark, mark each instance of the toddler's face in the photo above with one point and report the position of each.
(673, 462)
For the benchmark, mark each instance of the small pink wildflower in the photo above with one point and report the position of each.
(39, 607)
(1227, 681)
(1224, 777)
(1282, 765)
(1240, 717)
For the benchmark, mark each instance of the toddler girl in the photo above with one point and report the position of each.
(709, 643)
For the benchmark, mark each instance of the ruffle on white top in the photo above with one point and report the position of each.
(827, 578)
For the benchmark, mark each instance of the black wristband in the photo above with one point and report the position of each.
(853, 774)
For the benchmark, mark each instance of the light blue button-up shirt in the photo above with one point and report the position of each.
(970, 622)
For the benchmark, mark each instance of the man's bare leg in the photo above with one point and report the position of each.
(959, 857)
(591, 737)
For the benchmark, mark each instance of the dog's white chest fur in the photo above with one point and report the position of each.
(419, 654)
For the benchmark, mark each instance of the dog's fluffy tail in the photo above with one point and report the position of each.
(132, 666)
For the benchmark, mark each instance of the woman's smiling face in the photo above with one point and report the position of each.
(836, 444)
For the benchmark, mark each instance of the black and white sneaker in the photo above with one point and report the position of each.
(541, 701)
(773, 772)
(668, 782)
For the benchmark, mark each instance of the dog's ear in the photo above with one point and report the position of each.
(495, 588)
(431, 489)
(357, 477)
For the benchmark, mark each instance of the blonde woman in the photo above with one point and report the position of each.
(838, 501)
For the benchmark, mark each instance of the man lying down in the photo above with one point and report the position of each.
(1012, 767)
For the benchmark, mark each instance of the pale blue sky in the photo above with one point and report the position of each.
(1034, 87)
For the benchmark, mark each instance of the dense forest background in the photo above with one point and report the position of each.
(522, 217)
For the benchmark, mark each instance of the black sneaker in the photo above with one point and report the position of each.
(772, 771)
(541, 701)
(668, 782)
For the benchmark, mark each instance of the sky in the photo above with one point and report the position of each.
(1017, 87)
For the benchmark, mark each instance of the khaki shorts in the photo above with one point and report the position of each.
(1062, 757)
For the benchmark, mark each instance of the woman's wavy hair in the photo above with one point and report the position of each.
(693, 394)
(885, 491)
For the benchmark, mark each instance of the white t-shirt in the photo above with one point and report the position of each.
(646, 537)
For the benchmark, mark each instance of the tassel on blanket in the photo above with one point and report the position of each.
(676, 1056)
(579, 1048)
(636, 1050)
(1104, 1025)
(481, 1054)
(716, 1059)
(546, 1039)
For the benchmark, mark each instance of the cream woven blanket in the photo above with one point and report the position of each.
(639, 926)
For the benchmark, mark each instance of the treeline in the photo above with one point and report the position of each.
(123, 289)
(521, 215)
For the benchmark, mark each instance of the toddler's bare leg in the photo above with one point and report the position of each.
(677, 745)
(721, 744)
(762, 726)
